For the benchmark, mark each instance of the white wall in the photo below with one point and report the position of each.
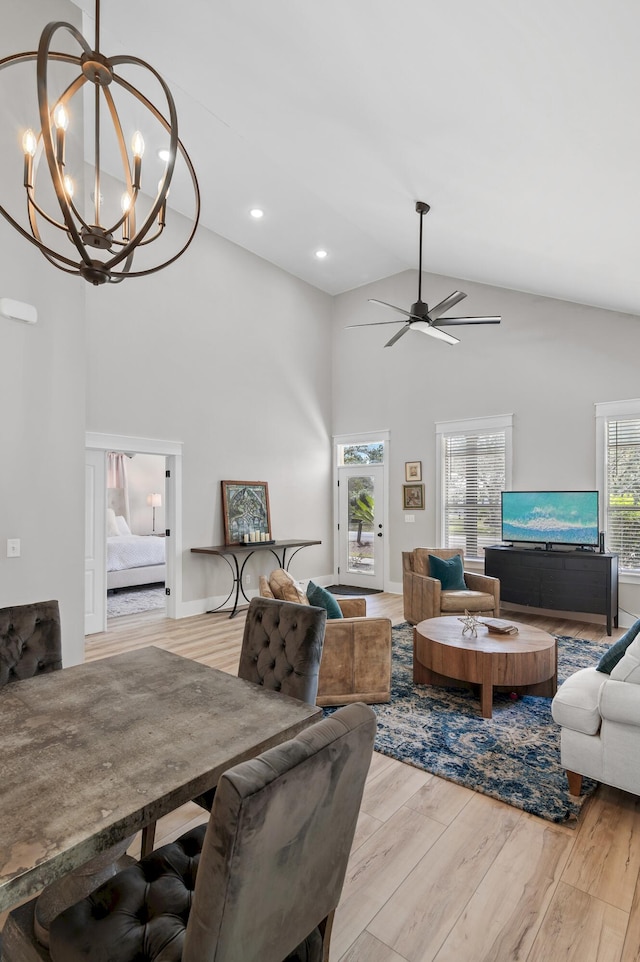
(547, 363)
(237, 359)
(230, 355)
(42, 383)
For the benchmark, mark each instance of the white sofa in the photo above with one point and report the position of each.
(600, 718)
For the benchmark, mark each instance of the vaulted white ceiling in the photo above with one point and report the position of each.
(516, 120)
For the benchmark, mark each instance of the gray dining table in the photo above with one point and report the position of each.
(93, 753)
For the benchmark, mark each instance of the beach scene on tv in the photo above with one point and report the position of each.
(553, 517)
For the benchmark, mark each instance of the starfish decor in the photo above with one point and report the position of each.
(470, 623)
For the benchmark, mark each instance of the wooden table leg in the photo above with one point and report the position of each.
(486, 689)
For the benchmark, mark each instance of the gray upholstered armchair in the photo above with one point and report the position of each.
(30, 641)
(424, 596)
(260, 882)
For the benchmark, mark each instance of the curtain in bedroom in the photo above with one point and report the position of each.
(117, 490)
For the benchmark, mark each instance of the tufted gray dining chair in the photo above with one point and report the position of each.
(30, 641)
(281, 650)
(282, 647)
(260, 882)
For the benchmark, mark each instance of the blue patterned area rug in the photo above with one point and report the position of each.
(514, 756)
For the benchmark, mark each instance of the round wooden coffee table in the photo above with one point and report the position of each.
(526, 662)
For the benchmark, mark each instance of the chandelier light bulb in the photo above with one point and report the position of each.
(29, 142)
(68, 186)
(61, 120)
(164, 153)
(125, 202)
(61, 117)
(137, 144)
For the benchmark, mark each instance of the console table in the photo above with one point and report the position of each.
(579, 581)
(231, 552)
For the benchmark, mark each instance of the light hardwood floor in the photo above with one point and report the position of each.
(438, 872)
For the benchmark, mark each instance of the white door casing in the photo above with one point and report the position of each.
(99, 444)
(95, 543)
(381, 500)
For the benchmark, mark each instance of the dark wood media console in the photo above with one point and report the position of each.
(579, 581)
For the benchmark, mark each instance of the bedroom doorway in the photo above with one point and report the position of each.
(136, 504)
(142, 519)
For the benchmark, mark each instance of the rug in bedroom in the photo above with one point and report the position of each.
(132, 601)
(514, 756)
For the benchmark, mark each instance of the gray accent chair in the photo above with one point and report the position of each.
(260, 882)
(30, 641)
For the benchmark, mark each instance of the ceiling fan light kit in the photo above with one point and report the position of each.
(419, 317)
(105, 237)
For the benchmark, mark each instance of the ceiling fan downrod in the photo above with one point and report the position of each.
(422, 208)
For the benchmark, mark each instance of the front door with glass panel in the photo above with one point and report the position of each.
(361, 534)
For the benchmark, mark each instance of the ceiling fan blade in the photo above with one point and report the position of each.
(373, 323)
(450, 321)
(444, 305)
(398, 335)
(427, 328)
(374, 300)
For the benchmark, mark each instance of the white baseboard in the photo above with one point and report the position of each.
(200, 606)
(188, 609)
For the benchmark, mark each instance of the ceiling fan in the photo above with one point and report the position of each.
(420, 318)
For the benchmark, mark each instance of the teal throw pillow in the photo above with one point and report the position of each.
(611, 658)
(449, 573)
(321, 598)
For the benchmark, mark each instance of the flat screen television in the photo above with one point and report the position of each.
(551, 517)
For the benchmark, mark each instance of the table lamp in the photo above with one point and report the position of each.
(154, 501)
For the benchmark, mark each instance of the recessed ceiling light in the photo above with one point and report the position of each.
(321, 255)
(256, 212)
(164, 154)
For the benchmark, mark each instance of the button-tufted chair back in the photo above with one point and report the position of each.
(267, 870)
(281, 650)
(282, 647)
(30, 642)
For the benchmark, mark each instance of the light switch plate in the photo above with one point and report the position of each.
(13, 547)
(409, 518)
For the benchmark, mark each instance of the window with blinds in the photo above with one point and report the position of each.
(622, 490)
(473, 477)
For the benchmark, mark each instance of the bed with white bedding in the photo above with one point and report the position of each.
(132, 559)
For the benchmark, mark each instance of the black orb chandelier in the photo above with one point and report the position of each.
(105, 237)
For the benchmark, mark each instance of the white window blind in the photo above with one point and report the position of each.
(474, 474)
(622, 490)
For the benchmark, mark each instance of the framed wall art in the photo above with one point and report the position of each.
(413, 471)
(245, 511)
(413, 497)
